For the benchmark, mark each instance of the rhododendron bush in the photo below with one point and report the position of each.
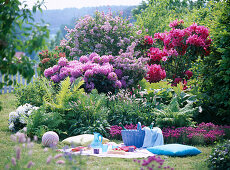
(105, 73)
(172, 53)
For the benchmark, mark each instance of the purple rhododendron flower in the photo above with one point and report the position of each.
(55, 78)
(84, 59)
(118, 72)
(89, 73)
(62, 61)
(48, 72)
(56, 68)
(112, 76)
(118, 84)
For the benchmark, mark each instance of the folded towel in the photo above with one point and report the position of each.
(153, 137)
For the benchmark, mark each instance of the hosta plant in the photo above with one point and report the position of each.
(174, 115)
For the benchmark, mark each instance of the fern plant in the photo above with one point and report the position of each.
(88, 113)
(67, 91)
(174, 115)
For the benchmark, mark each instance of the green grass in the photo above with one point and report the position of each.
(7, 150)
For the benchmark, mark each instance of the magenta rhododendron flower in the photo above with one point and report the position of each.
(189, 74)
(156, 54)
(176, 23)
(155, 73)
(148, 39)
(195, 40)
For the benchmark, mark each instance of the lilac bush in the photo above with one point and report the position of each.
(105, 73)
(103, 33)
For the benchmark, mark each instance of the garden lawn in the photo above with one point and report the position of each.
(39, 157)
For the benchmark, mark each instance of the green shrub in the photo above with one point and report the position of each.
(126, 108)
(42, 121)
(214, 70)
(220, 156)
(32, 93)
(87, 114)
(174, 115)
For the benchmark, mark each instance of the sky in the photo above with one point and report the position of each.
(61, 4)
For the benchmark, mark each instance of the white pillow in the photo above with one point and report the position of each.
(82, 140)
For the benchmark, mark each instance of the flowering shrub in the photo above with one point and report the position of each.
(104, 34)
(18, 119)
(204, 133)
(105, 73)
(180, 47)
(49, 58)
(152, 162)
(220, 156)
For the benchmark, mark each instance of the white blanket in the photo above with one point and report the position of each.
(138, 153)
(153, 137)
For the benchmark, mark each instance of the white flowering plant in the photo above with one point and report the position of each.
(18, 119)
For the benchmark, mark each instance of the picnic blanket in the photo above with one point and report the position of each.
(138, 153)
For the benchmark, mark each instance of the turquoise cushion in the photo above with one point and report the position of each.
(174, 150)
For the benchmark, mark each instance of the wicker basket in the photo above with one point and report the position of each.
(133, 137)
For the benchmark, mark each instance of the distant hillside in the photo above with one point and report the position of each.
(56, 18)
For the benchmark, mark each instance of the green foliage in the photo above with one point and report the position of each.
(213, 70)
(216, 70)
(220, 156)
(126, 109)
(42, 121)
(63, 95)
(32, 93)
(88, 113)
(174, 115)
(19, 33)
(159, 13)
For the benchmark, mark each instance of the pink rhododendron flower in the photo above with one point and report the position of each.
(148, 39)
(164, 58)
(62, 61)
(156, 54)
(189, 74)
(176, 23)
(84, 59)
(155, 73)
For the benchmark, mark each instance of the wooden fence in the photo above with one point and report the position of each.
(18, 78)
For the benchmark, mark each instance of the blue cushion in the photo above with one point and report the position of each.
(174, 150)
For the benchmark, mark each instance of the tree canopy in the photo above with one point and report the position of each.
(18, 32)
